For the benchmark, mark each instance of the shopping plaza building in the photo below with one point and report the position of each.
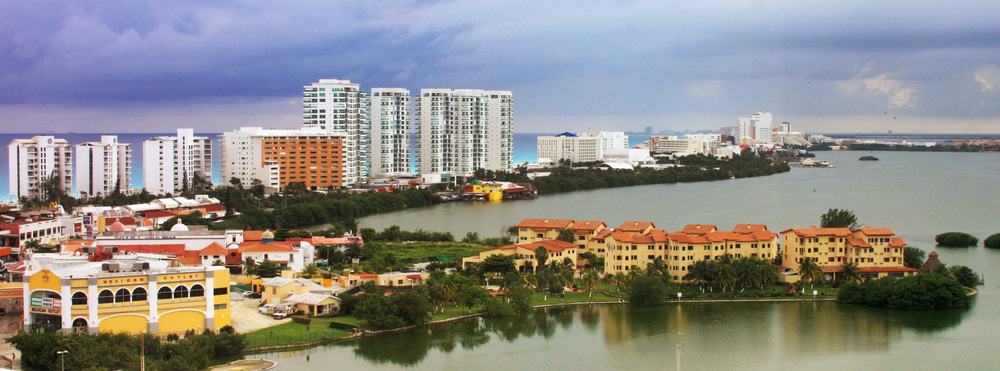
(125, 294)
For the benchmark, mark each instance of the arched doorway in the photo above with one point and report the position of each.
(80, 325)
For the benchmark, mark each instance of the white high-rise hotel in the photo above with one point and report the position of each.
(30, 162)
(169, 163)
(102, 167)
(755, 129)
(390, 131)
(462, 130)
(340, 106)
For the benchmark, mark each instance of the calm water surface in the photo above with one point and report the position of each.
(917, 194)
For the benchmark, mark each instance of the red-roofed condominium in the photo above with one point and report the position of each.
(524, 254)
(877, 252)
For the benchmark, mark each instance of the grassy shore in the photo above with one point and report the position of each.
(318, 330)
(416, 252)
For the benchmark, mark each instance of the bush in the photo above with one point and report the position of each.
(992, 241)
(965, 276)
(956, 239)
(298, 318)
(392, 311)
(927, 291)
(646, 290)
(497, 308)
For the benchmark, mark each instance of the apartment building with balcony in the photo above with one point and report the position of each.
(570, 147)
(339, 106)
(279, 157)
(32, 161)
(103, 167)
(390, 132)
(877, 252)
(460, 131)
(169, 163)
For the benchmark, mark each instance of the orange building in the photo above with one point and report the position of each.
(280, 157)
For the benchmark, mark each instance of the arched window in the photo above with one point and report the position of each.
(139, 294)
(123, 296)
(180, 292)
(164, 293)
(79, 325)
(197, 291)
(106, 296)
(79, 298)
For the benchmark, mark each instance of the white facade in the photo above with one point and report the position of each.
(744, 131)
(169, 163)
(32, 161)
(609, 139)
(762, 122)
(242, 153)
(390, 132)
(102, 167)
(340, 106)
(462, 130)
(571, 148)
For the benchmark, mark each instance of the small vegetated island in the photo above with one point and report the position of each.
(993, 241)
(868, 158)
(956, 239)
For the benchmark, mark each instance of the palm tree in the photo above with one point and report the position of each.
(849, 274)
(589, 280)
(698, 273)
(809, 270)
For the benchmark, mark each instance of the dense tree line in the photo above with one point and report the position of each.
(923, 291)
(121, 351)
(993, 241)
(396, 234)
(729, 274)
(956, 239)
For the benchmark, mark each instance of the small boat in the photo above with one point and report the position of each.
(809, 162)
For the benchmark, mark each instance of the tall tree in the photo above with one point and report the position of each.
(541, 257)
(839, 218)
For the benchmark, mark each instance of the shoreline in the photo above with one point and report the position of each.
(359, 334)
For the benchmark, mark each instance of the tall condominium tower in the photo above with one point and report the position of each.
(390, 131)
(102, 167)
(340, 106)
(278, 158)
(169, 163)
(462, 130)
(33, 161)
(762, 124)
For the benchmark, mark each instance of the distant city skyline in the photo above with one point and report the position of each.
(852, 66)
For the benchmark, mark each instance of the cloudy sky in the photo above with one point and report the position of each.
(825, 66)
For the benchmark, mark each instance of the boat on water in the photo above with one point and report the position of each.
(810, 162)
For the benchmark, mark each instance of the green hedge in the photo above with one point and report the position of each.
(956, 239)
(992, 241)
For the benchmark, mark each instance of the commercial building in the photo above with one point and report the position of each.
(278, 158)
(31, 162)
(170, 163)
(124, 295)
(462, 130)
(47, 228)
(339, 106)
(103, 167)
(390, 132)
(524, 254)
(877, 252)
(762, 122)
(570, 147)
(610, 140)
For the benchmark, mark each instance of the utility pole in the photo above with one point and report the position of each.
(142, 352)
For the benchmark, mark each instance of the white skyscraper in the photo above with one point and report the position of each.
(610, 140)
(744, 131)
(102, 167)
(762, 126)
(462, 130)
(390, 131)
(340, 106)
(169, 163)
(30, 162)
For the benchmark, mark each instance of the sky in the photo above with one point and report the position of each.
(824, 66)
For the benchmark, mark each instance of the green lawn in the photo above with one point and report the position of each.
(568, 297)
(292, 333)
(417, 252)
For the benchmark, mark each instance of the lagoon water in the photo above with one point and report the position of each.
(917, 194)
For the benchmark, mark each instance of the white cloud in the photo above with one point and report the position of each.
(988, 77)
(704, 89)
(899, 95)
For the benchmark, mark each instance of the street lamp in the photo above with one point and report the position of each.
(62, 360)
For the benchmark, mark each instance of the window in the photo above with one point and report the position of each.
(139, 294)
(79, 298)
(123, 296)
(221, 291)
(106, 296)
(180, 292)
(220, 306)
(164, 293)
(197, 291)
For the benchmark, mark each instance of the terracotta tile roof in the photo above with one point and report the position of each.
(699, 228)
(604, 233)
(765, 235)
(857, 242)
(897, 242)
(587, 225)
(549, 245)
(545, 223)
(265, 247)
(749, 228)
(162, 213)
(730, 236)
(635, 226)
(659, 235)
(819, 232)
(126, 220)
(214, 208)
(190, 258)
(886, 269)
(631, 237)
(680, 237)
(213, 249)
(869, 231)
(251, 235)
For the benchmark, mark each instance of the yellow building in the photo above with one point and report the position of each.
(534, 230)
(277, 289)
(524, 254)
(632, 250)
(126, 296)
(877, 252)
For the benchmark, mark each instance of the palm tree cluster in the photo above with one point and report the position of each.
(729, 274)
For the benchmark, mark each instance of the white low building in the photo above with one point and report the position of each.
(570, 147)
(287, 255)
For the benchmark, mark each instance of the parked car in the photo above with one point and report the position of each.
(280, 314)
(266, 308)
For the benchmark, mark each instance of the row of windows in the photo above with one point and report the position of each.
(123, 295)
